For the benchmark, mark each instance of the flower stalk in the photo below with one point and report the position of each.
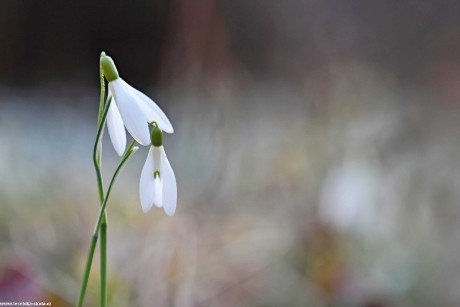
(126, 107)
(131, 150)
(97, 163)
(98, 159)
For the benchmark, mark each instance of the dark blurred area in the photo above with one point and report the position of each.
(57, 41)
(316, 151)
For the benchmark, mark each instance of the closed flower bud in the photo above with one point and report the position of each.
(157, 136)
(108, 68)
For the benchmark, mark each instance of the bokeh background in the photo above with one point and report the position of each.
(316, 150)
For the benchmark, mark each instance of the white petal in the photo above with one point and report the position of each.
(158, 201)
(159, 180)
(147, 183)
(151, 109)
(116, 128)
(133, 116)
(169, 185)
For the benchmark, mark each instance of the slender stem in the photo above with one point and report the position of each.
(103, 250)
(96, 161)
(98, 158)
(98, 152)
(130, 151)
(89, 261)
(101, 100)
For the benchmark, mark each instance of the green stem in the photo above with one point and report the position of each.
(96, 150)
(130, 151)
(103, 250)
(98, 158)
(98, 153)
(89, 260)
(101, 100)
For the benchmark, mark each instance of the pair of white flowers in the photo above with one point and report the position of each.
(132, 109)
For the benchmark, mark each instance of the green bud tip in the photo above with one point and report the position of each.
(156, 174)
(108, 68)
(156, 136)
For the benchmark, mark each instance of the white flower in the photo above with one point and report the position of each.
(130, 108)
(158, 183)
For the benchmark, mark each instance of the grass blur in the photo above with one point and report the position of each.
(306, 205)
(327, 183)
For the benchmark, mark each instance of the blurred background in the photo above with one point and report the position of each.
(316, 151)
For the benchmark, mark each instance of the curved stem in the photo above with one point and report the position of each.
(96, 156)
(96, 161)
(96, 151)
(130, 151)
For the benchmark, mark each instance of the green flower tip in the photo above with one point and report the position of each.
(157, 136)
(108, 67)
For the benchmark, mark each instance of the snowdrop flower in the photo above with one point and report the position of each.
(158, 183)
(131, 109)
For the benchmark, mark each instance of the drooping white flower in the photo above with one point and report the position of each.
(158, 183)
(130, 108)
